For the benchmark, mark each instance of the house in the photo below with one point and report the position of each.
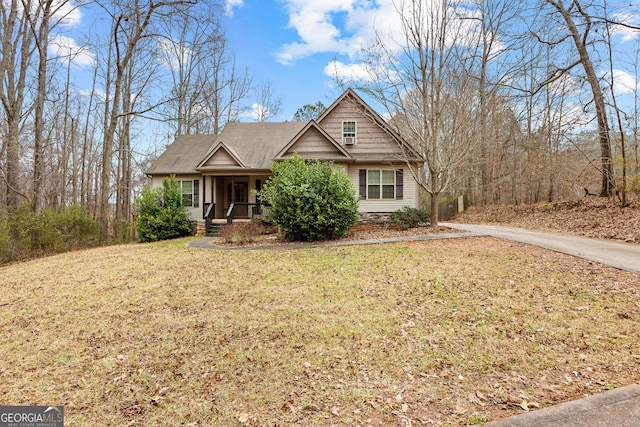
(217, 173)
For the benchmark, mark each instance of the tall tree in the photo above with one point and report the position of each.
(16, 56)
(578, 25)
(207, 86)
(426, 89)
(132, 22)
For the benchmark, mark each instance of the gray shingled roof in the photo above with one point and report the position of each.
(182, 156)
(257, 144)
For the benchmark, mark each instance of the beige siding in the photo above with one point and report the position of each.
(370, 138)
(196, 213)
(410, 190)
(222, 159)
(313, 144)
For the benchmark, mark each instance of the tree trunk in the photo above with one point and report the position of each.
(596, 90)
(42, 42)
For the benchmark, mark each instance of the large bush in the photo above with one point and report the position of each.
(161, 213)
(310, 200)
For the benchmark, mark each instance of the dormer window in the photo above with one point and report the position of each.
(348, 133)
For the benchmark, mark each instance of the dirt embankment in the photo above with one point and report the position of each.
(592, 217)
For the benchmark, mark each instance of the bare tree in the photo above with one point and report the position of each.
(16, 56)
(207, 85)
(579, 23)
(267, 104)
(132, 22)
(426, 89)
(492, 19)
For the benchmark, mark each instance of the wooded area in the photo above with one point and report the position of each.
(501, 97)
(510, 102)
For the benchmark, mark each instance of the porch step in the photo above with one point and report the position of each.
(214, 228)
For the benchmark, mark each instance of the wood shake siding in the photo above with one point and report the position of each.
(370, 138)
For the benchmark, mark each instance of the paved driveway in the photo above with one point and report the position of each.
(625, 256)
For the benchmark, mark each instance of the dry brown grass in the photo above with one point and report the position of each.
(439, 332)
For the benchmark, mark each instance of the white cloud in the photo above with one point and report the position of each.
(257, 112)
(346, 27)
(66, 49)
(174, 55)
(339, 70)
(67, 13)
(623, 82)
(627, 34)
(229, 5)
(338, 26)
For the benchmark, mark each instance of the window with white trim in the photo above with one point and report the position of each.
(348, 133)
(186, 189)
(381, 184)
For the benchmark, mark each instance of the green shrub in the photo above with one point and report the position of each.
(266, 221)
(409, 217)
(26, 234)
(310, 200)
(241, 232)
(161, 213)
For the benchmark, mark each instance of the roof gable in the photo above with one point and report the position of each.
(314, 142)
(350, 107)
(182, 156)
(221, 156)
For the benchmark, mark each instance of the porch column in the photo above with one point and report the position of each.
(213, 182)
(233, 198)
(233, 189)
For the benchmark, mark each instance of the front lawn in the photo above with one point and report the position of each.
(421, 333)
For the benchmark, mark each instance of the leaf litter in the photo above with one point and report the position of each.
(420, 333)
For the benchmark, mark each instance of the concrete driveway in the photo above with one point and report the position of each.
(625, 256)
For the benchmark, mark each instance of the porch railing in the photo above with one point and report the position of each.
(253, 209)
(209, 213)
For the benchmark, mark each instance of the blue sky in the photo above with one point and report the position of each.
(293, 43)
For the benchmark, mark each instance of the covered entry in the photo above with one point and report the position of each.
(232, 197)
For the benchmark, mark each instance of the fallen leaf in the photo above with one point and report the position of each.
(287, 407)
(243, 417)
(460, 410)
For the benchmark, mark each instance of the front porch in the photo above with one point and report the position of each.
(231, 197)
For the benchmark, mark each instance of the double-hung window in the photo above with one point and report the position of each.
(348, 133)
(381, 184)
(189, 191)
